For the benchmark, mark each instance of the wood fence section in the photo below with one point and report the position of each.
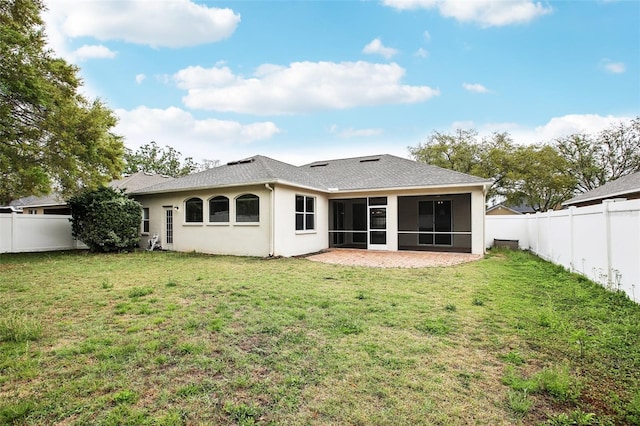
(33, 232)
(601, 242)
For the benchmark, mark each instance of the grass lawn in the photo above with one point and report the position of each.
(170, 339)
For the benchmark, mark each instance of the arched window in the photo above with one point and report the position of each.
(219, 209)
(193, 210)
(248, 208)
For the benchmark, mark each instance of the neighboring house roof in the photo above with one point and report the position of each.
(43, 201)
(349, 174)
(502, 207)
(521, 209)
(129, 183)
(138, 181)
(620, 187)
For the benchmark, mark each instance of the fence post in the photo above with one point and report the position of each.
(549, 242)
(14, 226)
(538, 233)
(607, 241)
(572, 267)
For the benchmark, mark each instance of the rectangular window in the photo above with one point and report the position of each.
(145, 220)
(305, 213)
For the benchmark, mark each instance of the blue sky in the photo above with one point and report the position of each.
(301, 81)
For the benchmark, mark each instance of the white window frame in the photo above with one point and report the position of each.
(145, 221)
(305, 213)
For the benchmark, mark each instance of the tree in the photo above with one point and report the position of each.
(534, 176)
(151, 158)
(537, 178)
(595, 160)
(50, 135)
(105, 219)
(460, 152)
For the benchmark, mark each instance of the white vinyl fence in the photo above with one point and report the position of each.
(601, 242)
(35, 232)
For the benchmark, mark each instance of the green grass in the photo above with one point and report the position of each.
(162, 338)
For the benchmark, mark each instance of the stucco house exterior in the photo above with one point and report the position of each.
(263, 207)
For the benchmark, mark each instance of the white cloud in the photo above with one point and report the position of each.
(92, 52)
(475, 87)
(427, 36)
(614, 67)
(555, 128)
(359, 133)
(175, 23)
(198, 138)
(377, 48)
(301, 87)
(421, 53)
(140, 78)
(487, 13)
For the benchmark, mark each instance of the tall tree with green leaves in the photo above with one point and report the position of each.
(167, 161)
(51, 137)
(537, 178)
(459, 151)
(609, 155)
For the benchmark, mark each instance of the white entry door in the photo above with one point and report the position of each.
(167, 237)
(377, 228)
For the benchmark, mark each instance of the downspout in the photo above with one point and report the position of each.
(273, 221)
(485, 190)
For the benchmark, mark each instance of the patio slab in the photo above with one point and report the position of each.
(392, 259)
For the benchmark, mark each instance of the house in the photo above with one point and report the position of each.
(501, 210)
(627, 187)
(263, 207)
(55, 204)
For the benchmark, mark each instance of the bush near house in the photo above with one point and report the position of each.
(106, 220)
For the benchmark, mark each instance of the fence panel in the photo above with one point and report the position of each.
(601, 242)
(30, 233)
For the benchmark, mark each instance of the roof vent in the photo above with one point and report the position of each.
(370, 160)
(245, 161)
(319, 165)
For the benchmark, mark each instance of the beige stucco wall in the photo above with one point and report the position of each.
(277, 235)
(245, 239)
(288, 241)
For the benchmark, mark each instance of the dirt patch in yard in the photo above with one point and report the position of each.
(392, 259)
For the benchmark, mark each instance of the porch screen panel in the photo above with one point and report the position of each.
(348, 223)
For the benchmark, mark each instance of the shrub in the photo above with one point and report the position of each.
(106, 220)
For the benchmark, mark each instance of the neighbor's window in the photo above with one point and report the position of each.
(248, 208)
(145, 220)
(219, 209)
(193, 210)
(305, 213)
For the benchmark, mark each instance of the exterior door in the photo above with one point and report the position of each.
(167, 237)
(377, 227)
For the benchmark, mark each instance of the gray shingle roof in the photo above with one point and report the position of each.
(133, 182)
(615, 188)
(360, 173)
(385, 171)
(138, 181)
